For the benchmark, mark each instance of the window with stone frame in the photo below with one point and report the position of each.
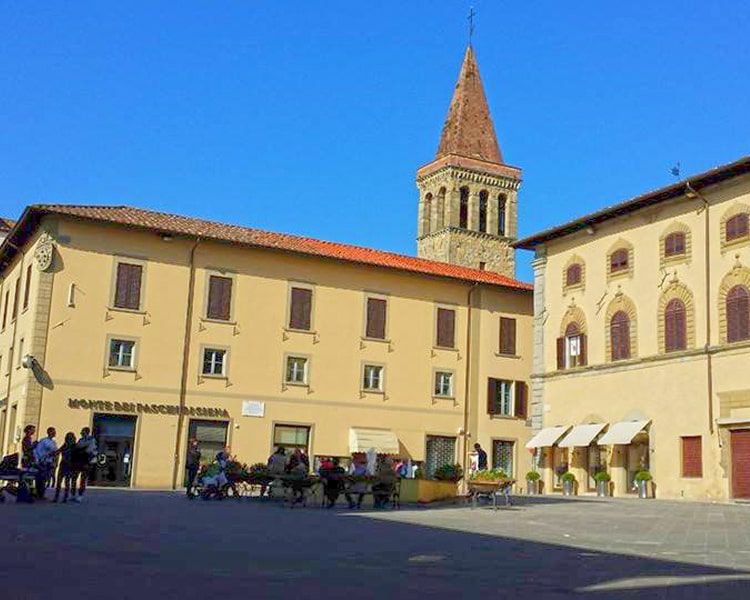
(214, 362)
(128, 286)
(219, 305)
(446, 328)
(483, 195)
(618, 261)
(463, 208)
(738, 314)
(507, 336)
(574, 275)
(571, 348)
(736, 227)
(674, 244)
(443, 384)
(121, 354)
(619, 332)
(296, 370)
(675, 326)
(502, 204)
(372, 378)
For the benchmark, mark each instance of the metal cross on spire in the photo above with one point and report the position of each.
(470, 18)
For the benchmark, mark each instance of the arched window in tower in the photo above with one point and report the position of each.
(675, 334)
(440, 222)
(483, 211)
(738, 314)
(619, 331)
(502, 202)
(427, 214)
(463, 209)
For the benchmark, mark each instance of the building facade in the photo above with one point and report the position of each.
(642, 340)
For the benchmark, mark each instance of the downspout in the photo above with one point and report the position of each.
(185, 363)
(691, 192)
(467, 376)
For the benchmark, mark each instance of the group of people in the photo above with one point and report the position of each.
(335, 480)
(70, 465)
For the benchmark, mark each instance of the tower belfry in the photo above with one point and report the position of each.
(468, 208)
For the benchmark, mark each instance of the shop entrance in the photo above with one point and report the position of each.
(115, 442)
(211, 436)
(740, 463)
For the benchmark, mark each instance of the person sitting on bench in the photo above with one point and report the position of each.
(385, 481)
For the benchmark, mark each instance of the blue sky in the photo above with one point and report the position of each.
(311, 117)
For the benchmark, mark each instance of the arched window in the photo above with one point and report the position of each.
(573, 274)
(483, 211)
(738, 314)
(501, 205)
(619, 331)
(427, 214)
(571, 348)
(737, 227)
(675, 333)
(463, 210)
(618, 261)
(441, 208)
(674, 244)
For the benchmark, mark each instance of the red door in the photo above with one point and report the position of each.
(741, 464)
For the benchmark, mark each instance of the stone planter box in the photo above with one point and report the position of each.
(427, 490)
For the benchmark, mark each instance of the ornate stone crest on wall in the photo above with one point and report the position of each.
(44, 252)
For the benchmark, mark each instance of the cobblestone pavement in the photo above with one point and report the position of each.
(124, 544)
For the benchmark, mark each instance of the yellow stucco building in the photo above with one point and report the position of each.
(642, 340)
(153, 328)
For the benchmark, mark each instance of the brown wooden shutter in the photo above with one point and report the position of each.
(521, 393)
(583, 353)
(27, 289)
(15, 298)
(219, 298)
(692, 456)
(375, 328)
(492, 396)
(507, 336)
(446, 327)
(738, 314)
(301, 309)
(128, 290)
(560, 353)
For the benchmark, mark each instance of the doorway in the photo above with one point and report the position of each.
(740, 442)
(211, 436)
(115, 442)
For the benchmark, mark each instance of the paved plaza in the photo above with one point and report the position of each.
(124, 544)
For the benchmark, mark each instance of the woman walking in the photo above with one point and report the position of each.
(66, 472)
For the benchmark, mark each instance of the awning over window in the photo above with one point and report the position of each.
(380, 440)
(622, 433)
(547, 437)
(581, 435)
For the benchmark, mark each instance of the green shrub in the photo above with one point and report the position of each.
(643, 476)
(489, 475)
(600, 476)
(533, 476)
(449, 473)
(567, 476)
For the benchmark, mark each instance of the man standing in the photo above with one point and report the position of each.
(45, 453)
(85, 460)
(481, 458)
(192, 464)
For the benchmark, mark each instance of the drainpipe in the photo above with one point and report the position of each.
(467, 379)
(691, 192)
(185, 363)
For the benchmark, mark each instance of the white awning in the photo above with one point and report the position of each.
(581, 435)
(622, 432)
(380, 440)
(547, 436)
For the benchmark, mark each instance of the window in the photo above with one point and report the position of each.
(19, 355)
(463, 211)
(15, 298)
(372, 380)
(738, 314)
(618, 261)
(502, 456)
(121, 354)
(128, 286)
(507, 336)
(506, 398)
(501, 206)
(444, 384)
(291, 437)
(573, 275)
(296, 370)
(27, 289)
(5, 308)
(427, 214)
(219, 298)
(692, 456)
(300, 310)
(214, 362)
(674, 244)
(440, 451)
(482, 265)
(736, 227)
(571, 348)
(446, 327)
(620, 336)
(675, 336)
(483, 211)
(376, 315)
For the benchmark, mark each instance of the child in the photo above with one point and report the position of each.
(65, 471)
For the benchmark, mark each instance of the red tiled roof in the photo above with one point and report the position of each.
(187, 226)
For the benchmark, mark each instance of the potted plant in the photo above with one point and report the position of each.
(569, 483)
(643, 481)
(534, 483)
(452, 473)
(603, 485)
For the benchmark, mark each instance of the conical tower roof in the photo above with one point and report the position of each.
(468, 129)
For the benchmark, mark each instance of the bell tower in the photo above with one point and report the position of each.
(468, 197)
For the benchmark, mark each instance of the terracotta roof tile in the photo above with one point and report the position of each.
(181, 225)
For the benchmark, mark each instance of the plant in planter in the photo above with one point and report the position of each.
(533, 482)
(452, 473)
(643, 479)
(569, 483)
(602, 479)
(489, 475)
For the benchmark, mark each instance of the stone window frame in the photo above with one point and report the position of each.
(621, 302)
(734, 210)
(575, 315)
(620, 244)
(679, 291)
(685, 257)
(739, 275)
(581, 285)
